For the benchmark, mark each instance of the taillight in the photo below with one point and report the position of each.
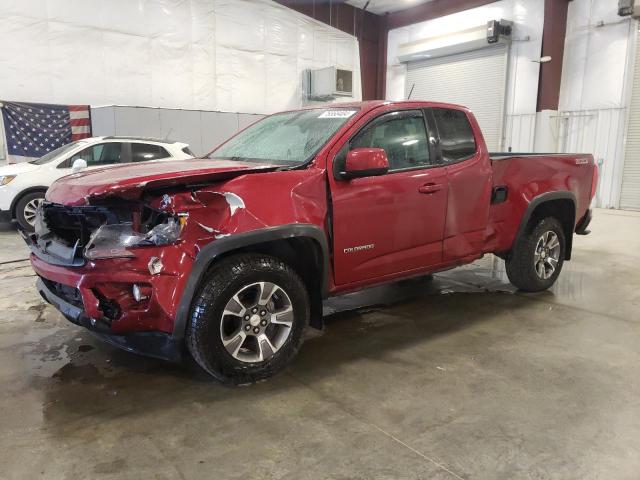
(594, 181)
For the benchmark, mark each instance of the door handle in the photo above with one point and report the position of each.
(429, 188)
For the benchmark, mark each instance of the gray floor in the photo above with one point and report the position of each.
(458, 377)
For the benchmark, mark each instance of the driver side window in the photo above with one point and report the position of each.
(100, 154)
(402, 135)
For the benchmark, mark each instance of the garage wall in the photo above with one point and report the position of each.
(528, 18)
(202, 130)
(475, 79)
(218, 55)
(597, 73)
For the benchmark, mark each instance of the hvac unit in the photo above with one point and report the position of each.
(330, 82)
(629, 7)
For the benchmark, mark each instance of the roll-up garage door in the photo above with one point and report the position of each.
(630, 193)
(475, 79)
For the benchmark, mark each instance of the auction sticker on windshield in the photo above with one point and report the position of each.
(337, 114)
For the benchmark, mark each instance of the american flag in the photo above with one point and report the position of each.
(35, 129)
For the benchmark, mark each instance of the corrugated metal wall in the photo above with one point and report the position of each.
(601, 133)
(630, 190)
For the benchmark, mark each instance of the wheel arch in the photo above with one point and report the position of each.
(26, 191)
(561, 205)
(299, 245)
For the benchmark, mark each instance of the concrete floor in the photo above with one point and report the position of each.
(459, 377)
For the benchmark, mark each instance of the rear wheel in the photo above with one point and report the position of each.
(26, 209)
(248, 319)
(537, 257)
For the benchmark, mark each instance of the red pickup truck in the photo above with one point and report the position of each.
(229, 257)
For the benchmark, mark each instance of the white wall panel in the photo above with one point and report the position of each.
(182, 125)
(141, 122)
(189, 54)
(596, 56)
(595, 91)
(202, 130)
(103, 121)
(522, 82)
(630, 188)
(216, 128)
(599, 132)
(244, 120)
(520, 132)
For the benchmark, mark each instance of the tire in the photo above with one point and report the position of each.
(25, 209)
(532, 264)
(215, 339)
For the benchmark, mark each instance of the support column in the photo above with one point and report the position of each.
(553, 35)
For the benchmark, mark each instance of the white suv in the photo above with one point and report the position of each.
(23, 185)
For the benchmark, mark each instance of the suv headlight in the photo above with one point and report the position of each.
(113, 241)
(4, 179)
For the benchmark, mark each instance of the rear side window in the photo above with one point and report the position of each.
(188, 151)
(456, 136)
(143, 152)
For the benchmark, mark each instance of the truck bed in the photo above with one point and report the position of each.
(530, 175)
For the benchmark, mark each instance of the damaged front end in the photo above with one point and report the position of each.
(114, 268)
(70, 235)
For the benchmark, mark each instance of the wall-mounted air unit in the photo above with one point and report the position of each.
(330, 82)
(629, 7)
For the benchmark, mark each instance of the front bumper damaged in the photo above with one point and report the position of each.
(152, 344)
(99, 297)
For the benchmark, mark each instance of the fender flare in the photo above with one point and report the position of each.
(211, 251)
(539, 200)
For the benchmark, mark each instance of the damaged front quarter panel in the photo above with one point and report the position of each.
(245, 203)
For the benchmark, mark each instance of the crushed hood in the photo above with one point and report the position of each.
(130, 180)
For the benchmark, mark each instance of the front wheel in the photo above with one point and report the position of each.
(537, 256)
(248, 319)
(26, 209)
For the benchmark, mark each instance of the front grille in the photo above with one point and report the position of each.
(68, 294)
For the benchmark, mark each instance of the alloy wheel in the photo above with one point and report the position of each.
(30, 210)
(256, 322)
(547, 255)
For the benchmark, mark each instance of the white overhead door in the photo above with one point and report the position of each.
(474, 79)
(630, 193)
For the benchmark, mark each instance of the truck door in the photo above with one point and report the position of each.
(385, 225)
(468, 166)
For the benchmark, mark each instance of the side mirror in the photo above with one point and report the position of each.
(78, 164)
(365, 162)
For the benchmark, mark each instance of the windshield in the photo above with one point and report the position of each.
(54, 153)
(288, 139)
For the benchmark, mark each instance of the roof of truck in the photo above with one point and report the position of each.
(371, 104)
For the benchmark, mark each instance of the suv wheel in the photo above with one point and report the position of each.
(26, 209)
(537, 257)
(248, 319)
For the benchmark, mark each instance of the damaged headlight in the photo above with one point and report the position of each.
(112, 241)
